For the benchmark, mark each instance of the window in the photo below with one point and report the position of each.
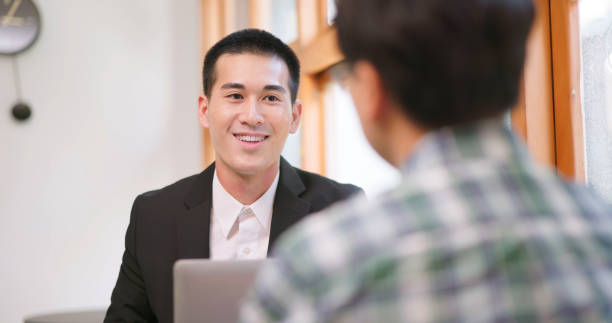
(596, 85)
(331, 11)
(284, 20)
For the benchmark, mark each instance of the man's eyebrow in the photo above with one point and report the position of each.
(233, 86)
(274, 88)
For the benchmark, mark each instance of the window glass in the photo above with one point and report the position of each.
(284, 20)
(596, 84)
(293, 148)
(349, 156)
(242, 14)
(331, 11)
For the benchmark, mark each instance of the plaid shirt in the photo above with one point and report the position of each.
(476, 232)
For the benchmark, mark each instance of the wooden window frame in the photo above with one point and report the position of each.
(548, 114)
(533, 117)
(317, 50)
(569, 134)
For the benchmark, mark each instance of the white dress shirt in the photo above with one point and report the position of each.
(240, 231)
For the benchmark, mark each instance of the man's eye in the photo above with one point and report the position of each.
(235, 96)
(272, 98)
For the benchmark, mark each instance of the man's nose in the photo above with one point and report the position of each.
(251, 114)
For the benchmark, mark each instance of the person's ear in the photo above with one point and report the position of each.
(296, 115)
(371, 90)
(203, 111)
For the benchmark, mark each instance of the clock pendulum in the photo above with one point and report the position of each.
(19, 29)
(21, 111)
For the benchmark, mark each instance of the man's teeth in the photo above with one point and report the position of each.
(251, 138)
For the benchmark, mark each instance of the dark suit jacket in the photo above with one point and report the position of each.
(174, 223)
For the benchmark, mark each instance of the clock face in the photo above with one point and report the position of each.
(19, 25)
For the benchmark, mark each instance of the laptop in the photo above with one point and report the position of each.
(211, 290)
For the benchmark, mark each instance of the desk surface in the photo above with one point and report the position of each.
(96, 316)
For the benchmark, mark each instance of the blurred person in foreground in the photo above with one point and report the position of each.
(240, 204)
(476, 231)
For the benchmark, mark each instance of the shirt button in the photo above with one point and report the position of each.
(246, 251)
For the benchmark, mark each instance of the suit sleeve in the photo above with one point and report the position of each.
(357, 191)
(129, 302)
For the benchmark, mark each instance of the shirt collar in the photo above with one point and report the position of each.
(489, 139)
(226, 208)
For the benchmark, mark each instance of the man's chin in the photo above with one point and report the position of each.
(248, 171)
(251, 167)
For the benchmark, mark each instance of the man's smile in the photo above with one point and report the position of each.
(250, 140)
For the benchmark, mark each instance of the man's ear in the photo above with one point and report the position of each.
(203, 111)
(371, 90)
(296, 115)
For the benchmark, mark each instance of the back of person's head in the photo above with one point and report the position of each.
(445, 62)
(251, 41)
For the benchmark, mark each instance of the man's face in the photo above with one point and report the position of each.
(249, 112)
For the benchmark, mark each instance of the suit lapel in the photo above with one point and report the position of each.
(288, 207)
(194, 224)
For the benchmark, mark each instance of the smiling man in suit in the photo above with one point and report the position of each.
(240, 204)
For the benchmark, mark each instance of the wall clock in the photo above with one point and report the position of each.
(19, 25)
(19, 29)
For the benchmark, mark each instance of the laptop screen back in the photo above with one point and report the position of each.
(211, 291)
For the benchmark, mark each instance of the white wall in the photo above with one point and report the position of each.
(113, 85)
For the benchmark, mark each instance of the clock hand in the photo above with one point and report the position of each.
(11, 12)
(12, 21)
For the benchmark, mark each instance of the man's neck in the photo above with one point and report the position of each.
(246, 188)
(402, 135)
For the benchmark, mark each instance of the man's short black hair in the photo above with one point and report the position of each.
(253, 41)
(446, 62)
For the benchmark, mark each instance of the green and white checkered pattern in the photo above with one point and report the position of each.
(476, 232)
